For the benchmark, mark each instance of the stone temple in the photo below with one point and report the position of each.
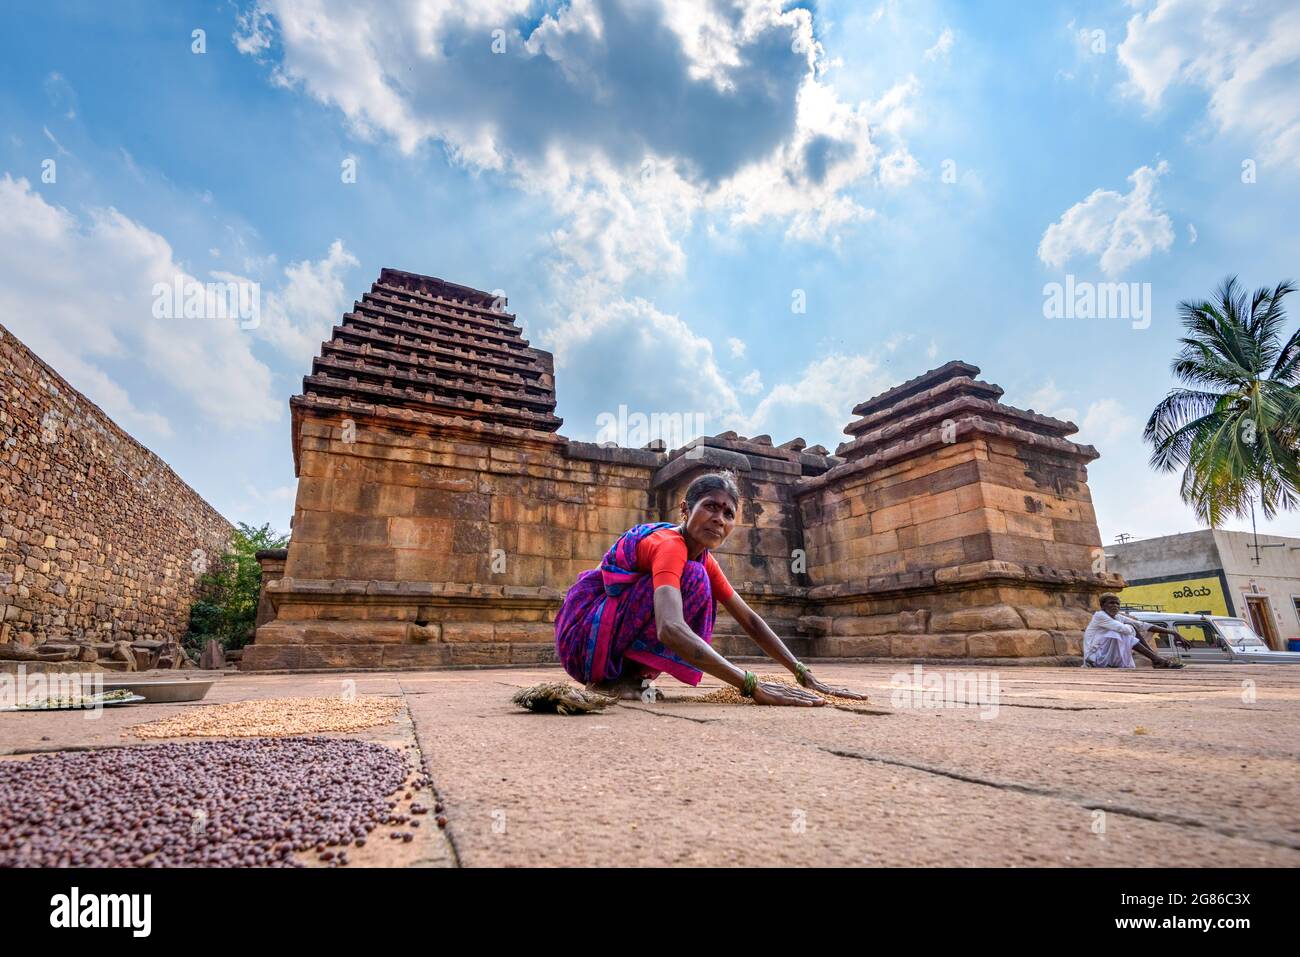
(440, 515)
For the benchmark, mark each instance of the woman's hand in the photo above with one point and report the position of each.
(813, 684)
(785, 695)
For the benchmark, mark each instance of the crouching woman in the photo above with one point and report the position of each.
(650, 607)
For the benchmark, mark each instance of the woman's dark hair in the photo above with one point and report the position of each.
(712, 482)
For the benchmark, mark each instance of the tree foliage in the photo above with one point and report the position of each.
(225, 605)
(1234, 428)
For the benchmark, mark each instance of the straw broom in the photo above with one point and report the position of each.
(559, 697)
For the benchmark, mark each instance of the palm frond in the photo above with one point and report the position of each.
(1236, 432)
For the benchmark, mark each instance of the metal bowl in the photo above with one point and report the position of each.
(163, 692)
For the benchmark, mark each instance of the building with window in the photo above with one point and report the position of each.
(1219, 573)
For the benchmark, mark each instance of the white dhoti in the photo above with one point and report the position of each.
(1108, 642)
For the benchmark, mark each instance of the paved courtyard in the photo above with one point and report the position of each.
(1072, 767)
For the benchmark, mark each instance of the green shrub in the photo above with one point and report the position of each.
(226, 596)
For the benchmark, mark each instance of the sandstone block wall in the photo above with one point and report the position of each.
(97, 535)
(459, 535)
(765, 557)
(958, 527)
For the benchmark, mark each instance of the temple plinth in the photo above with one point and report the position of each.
(440, 516)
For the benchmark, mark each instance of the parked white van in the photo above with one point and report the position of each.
(1214, 639)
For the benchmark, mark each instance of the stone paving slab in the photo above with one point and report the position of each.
(1074, 767)
(1212, 782)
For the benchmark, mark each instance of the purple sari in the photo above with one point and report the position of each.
(606, 626)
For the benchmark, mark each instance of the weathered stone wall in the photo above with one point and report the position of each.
(97, 534)
(421, 540)
(764, 557)
(959, 527)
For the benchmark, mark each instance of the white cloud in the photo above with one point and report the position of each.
(61, 95)
(898, 168)
(273, 504)
(819, 403)
(616, 227)
(58, 147)
(253, 32)
(1107, 422)
(809, 183)
(632, 353)
(941, 46)
(1049, 400)
(897, 339)
(277, 495)
(1131, 498)
(1246, 56)
(129, 162)
(737, 347)
(1192, 235)
(1123, 229)
(79, 293)
(1127, 495)
(297, 318)
(633, 121)
(728, 101)
(100, 388)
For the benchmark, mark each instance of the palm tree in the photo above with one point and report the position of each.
(1234, 431)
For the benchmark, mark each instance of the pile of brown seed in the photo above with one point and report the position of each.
(729, 695)
(273, 717)
(252, 803)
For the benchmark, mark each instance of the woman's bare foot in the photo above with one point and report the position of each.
(622, 690)
(628, 689)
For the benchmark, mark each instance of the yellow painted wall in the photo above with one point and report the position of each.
(1175, 597)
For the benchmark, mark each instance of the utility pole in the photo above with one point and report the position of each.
(1254, 531)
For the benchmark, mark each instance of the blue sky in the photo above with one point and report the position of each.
(653, 185)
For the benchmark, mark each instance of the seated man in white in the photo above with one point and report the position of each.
(1111, 638)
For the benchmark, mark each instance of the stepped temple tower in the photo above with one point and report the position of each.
(440, 515)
